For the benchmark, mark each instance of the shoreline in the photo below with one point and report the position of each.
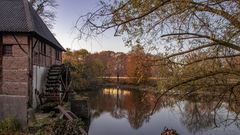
(131, 87)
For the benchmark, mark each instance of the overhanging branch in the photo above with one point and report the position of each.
(217, 41)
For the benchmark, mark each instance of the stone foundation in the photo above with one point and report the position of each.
(14, 107)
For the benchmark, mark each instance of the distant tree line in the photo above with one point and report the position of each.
(89, 69)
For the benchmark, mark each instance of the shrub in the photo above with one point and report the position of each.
(9, 125)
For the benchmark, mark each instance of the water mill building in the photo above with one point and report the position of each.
(27, 50)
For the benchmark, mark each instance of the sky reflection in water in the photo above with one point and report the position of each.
(123, 112)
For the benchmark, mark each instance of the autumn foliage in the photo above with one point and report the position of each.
(90, 69)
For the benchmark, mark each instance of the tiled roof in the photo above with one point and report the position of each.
(19, 16)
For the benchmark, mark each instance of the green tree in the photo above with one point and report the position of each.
(85, 71)
(94, 70)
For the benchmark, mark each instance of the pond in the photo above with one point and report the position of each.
(125, 112)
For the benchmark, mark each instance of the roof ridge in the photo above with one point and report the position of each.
(28, 16)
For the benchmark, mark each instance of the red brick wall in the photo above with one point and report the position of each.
(14, 73)
(15, 67)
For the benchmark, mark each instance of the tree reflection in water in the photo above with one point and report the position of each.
(124, 104)
(198, 113)
(201, 114)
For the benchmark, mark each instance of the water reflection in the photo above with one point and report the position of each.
(113, 91)
(124, 112)
(198, 116)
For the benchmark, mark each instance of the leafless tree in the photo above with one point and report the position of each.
(46, 10)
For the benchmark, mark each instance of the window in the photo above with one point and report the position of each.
(57, 55)
(7, 50)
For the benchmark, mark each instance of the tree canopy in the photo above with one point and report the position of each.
(84, 70)
(199, 39)
(189, 22)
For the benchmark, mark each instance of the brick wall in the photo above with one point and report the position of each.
(15, 67)
(14, 75)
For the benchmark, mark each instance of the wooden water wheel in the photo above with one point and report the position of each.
(57, 84)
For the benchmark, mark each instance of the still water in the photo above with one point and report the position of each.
(125, 112)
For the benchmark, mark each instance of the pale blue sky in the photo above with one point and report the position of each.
(68, 12)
